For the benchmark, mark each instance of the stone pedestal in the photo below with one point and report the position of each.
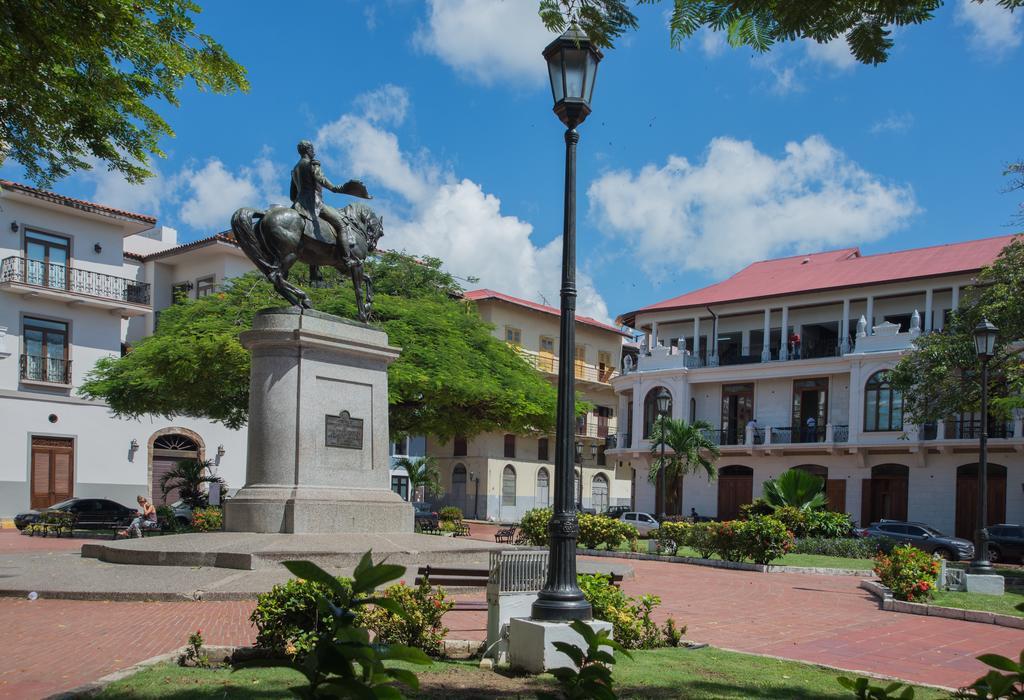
(318, 429)
(531, 643)
(992, 584)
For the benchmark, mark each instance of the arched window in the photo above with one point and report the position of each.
(543, 488)
(508, 486)
(510, 446)
(651, 410)
(693, 410)
(599, 493)
(883, 405)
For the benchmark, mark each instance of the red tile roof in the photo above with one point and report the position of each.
(223, 237)
(75, 203)
(481, 294)
(836, 269)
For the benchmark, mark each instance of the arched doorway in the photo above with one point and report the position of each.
(967, 498)
(884, 495)
(735, 488)
(459, 488)
(599, 493)
(167, 447)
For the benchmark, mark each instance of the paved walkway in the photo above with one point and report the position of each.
(55, 644)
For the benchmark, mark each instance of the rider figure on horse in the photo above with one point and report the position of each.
(308, 183)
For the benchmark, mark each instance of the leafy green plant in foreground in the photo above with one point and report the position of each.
(343, 663)
(592, 675)
(863, 690)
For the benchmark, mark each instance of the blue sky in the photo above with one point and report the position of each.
(694, 162)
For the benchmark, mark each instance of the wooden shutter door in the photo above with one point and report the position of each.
(866, 495)
(62, 483)
(160, 467)
(835, 491)
(40, 478)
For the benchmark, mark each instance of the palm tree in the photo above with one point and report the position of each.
(189, 477)
(796, 488)
(423, 472)
(691, 449)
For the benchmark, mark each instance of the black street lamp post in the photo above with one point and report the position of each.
(984, 344)
(572, 66)
(579, 476)
(662, 400)
(476, 496)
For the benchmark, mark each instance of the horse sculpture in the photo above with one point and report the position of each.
(275, 239)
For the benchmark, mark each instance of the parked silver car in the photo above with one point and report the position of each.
(643, 522)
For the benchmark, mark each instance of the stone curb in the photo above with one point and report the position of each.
(452, 648)
(134, 596)
(887, 602)
(737, 565)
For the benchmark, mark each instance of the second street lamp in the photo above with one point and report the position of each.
(985, 346)
(572, 67)
(662, 402)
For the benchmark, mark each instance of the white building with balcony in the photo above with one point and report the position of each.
(787, 359)
(501, 476)
(78, 282)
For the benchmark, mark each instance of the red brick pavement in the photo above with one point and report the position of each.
(820, 619)
(13, 542)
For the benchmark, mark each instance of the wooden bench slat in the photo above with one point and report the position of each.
(453, 571)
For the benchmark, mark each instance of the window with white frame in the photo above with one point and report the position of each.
(508, 486)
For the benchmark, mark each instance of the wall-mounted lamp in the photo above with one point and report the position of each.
(133, 447)
(593, 450)
(98, 248)
(220, 451)
(14, 227)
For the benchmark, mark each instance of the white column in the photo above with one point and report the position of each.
(928, 311)
(844, 329)
(745, 342)
(620, 418)
(766, 352)
(639, 392)
(654, 334)
(696, 336)
(713, 343)
(784, 336)
(870, 316)
(956, 297)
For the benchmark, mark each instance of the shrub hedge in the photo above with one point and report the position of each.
(534, 526)
(852, 547)
(597, 530)
(908, 572)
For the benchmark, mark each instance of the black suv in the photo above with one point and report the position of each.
(1006, 542)
(615, 512)
(924, 537)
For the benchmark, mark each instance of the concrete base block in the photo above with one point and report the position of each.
(531, 643)
(317, 510)
(985, 584)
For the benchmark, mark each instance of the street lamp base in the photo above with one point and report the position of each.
(981, 568)
(555, 607)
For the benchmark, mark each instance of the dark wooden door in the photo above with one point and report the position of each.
(53, 462)
(835, 491)
(735, 488)
(887, 498)
(967, 499)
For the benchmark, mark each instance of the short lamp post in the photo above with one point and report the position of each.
(572, 67)
(476, 495)
(579, 477)
(984, 345)
(661, 401)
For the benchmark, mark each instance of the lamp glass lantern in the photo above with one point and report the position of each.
(579, 451)
(572, 68)
(662, 400)
(593, 450)
(985, 339)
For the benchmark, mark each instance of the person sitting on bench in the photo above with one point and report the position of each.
(146, 519)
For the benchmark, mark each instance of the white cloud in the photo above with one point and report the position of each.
(785, 80)
(994, 30)
(712, 43)
(451, 218)
(112, 189)
(387, 104)
(741, 205)
(896, 123)
(487, 40)
(835, 53)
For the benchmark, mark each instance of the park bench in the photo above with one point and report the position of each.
(461, 529)
(456, 576)
(506, 535)
(54, 523)
(427, 526)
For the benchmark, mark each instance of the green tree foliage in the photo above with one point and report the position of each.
(1015, 171)
(453, 376)
(797, 489)
(81, 78)
(939, 377)
(688, 449)
(866, 25)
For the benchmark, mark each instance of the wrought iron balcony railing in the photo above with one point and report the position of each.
(71, 279)
(52, 370)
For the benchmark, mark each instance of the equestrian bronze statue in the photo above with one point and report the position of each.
(312, 232)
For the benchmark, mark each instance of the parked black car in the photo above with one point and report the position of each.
(1006, 542)
(922, 536)
(615, 512)
(90, 513)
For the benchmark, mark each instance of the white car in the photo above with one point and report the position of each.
(643, 522)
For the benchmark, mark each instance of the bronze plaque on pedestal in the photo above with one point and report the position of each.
(344, 431)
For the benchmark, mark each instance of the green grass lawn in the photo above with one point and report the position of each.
(662, 673)
(812, 560)
(1006, 604)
